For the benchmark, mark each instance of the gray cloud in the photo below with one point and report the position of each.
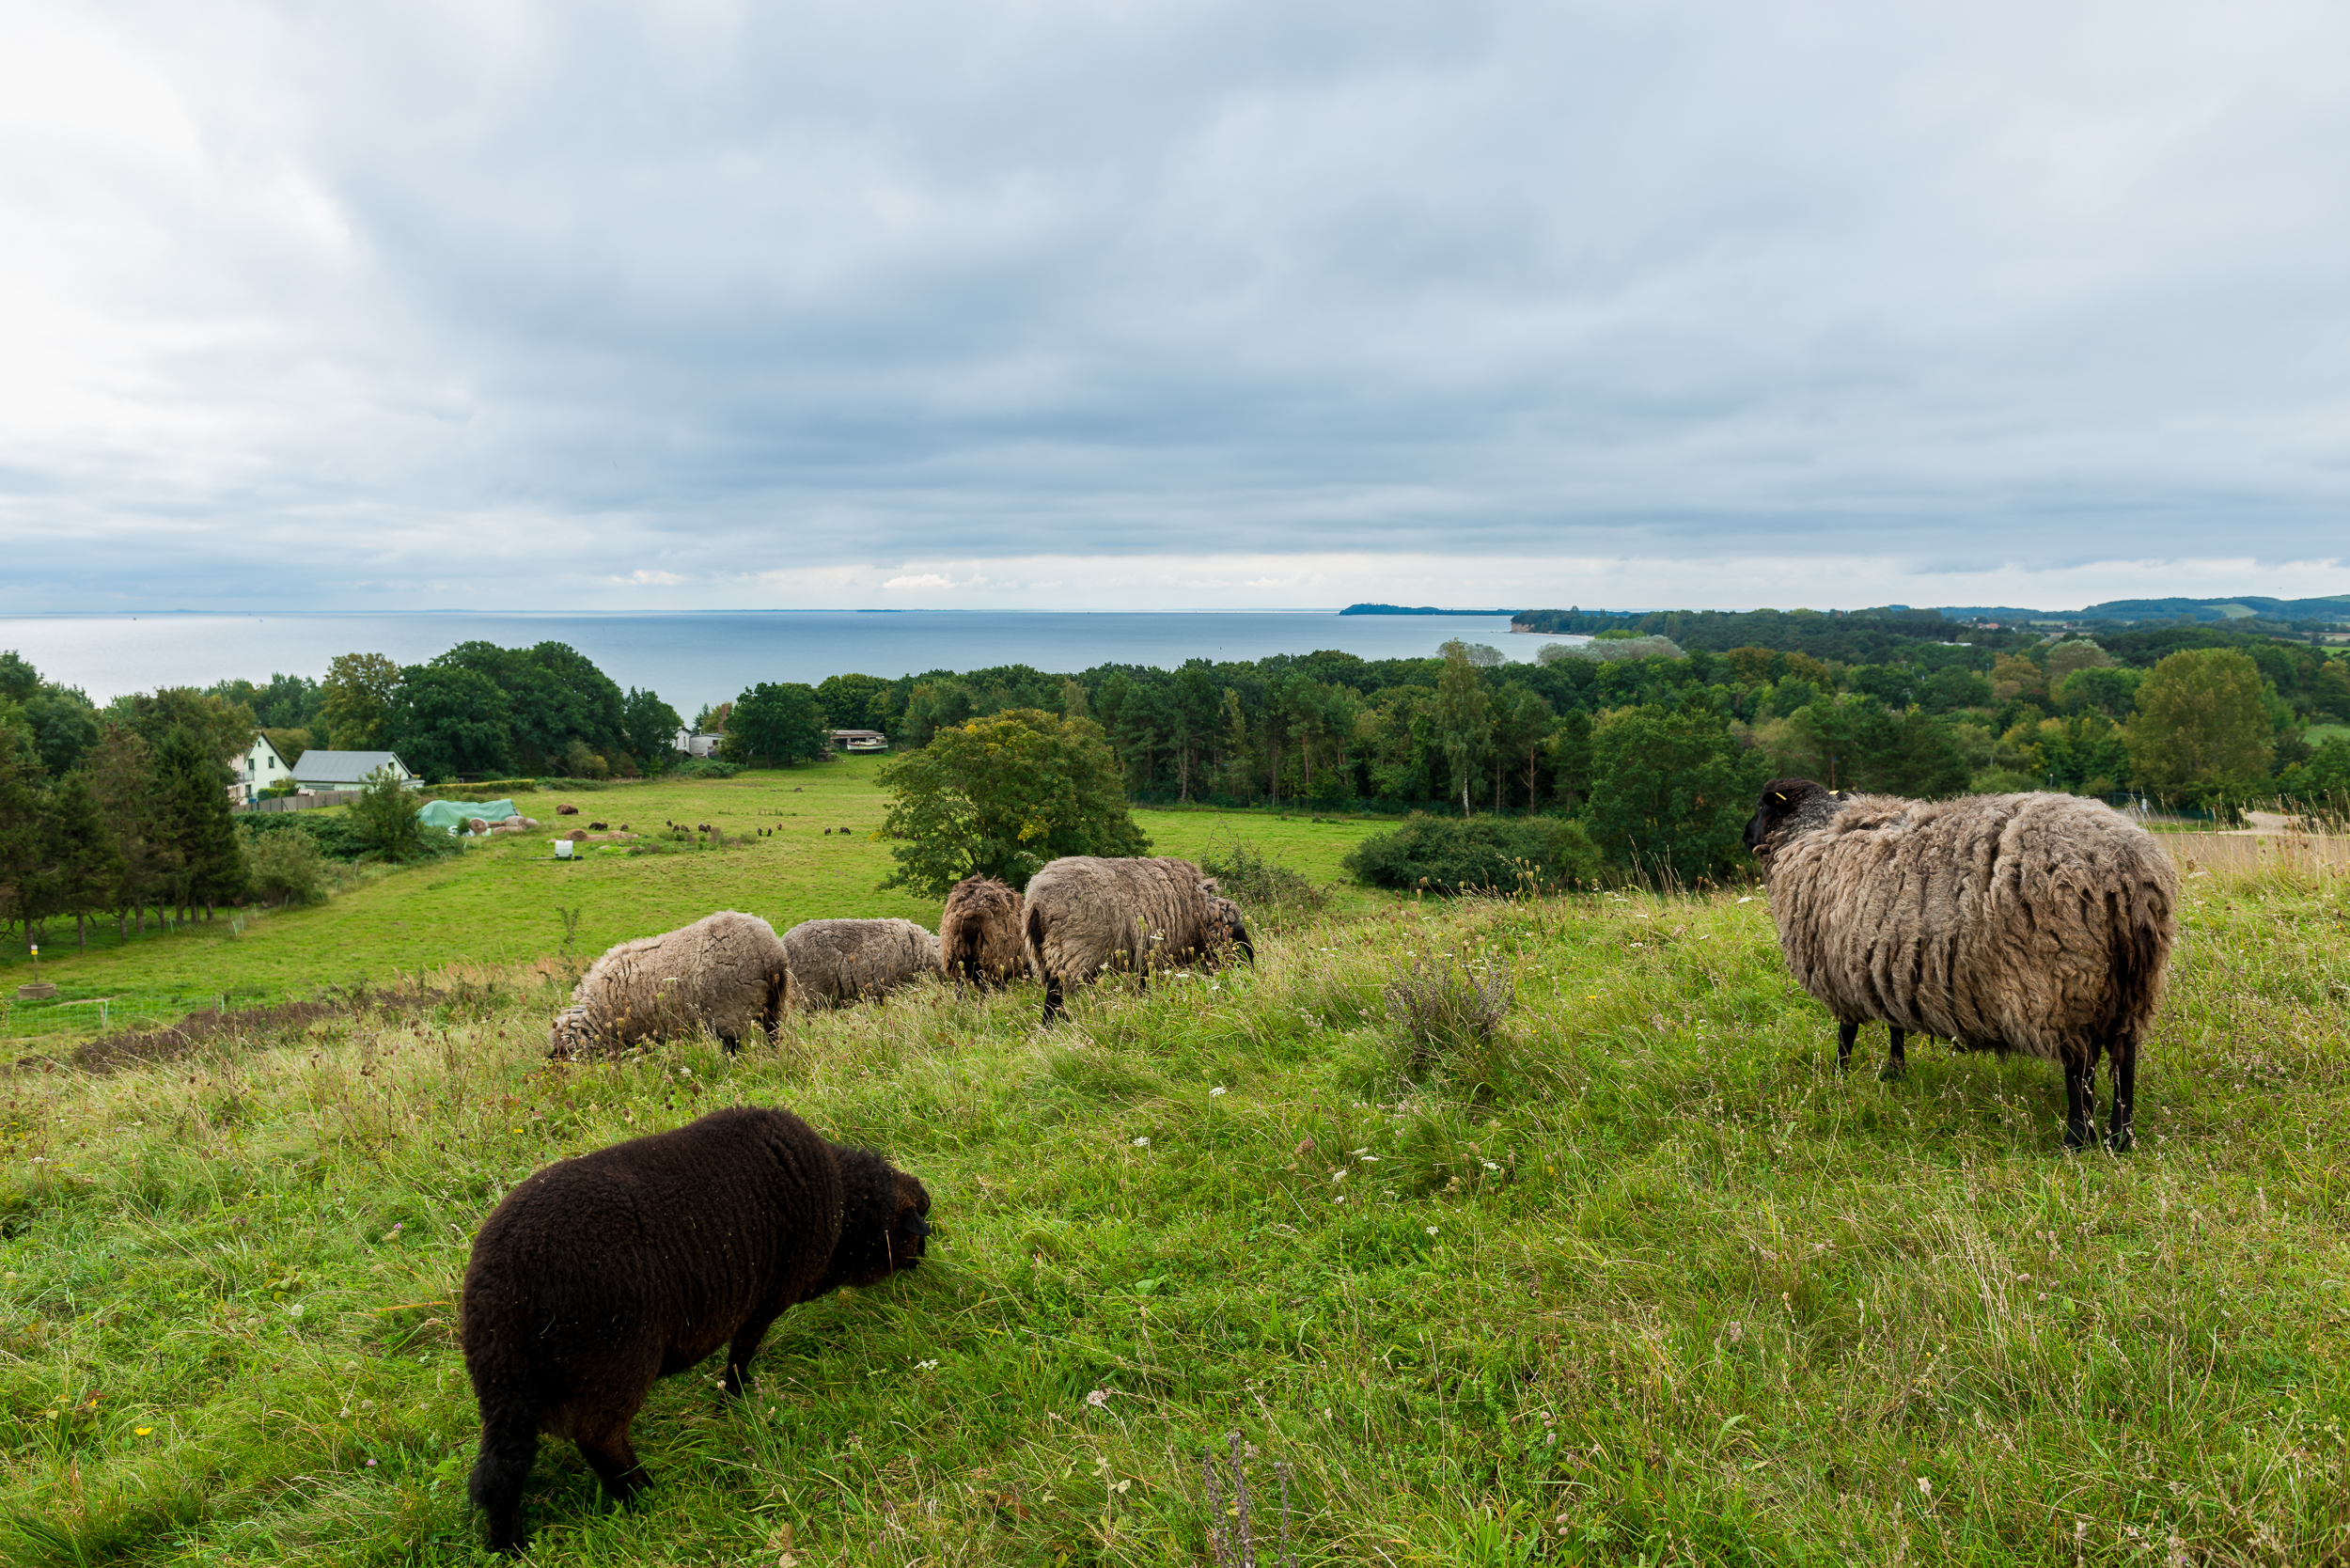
(673, 305)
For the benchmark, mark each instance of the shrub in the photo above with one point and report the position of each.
(1449, 1022)
(285, 868)
(383, 819)
(1448, 856)
(1000, 796)
(1266, 888)
(707, 767)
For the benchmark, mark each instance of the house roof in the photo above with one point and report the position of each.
(346, 764)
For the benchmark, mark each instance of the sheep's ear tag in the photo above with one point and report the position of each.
(1779, 795)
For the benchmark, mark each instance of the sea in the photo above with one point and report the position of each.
(711, 656)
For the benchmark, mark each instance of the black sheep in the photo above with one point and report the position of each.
(600, 1274)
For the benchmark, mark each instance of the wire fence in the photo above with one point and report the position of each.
(71, 1017)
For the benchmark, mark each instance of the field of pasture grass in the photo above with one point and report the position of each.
(1640, 1280)
(502, 903)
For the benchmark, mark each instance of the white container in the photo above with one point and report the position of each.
(562, 849)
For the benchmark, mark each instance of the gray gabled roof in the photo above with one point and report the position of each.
(346, 764)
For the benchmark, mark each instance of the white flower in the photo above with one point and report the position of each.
(1142, 1143)
(1371, 1159)
(1432, 1230)
(925, 1366)
(1216, 1090)
(1748, 900)
(1338, 1175)
(1099, 1398)
(1489, 1165)
(295, 1310)
(1925, 1488)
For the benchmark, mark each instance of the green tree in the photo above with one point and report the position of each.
(1000, 796)
(84, 864)
(2202, 730)
(1672, 791)
(21, 836)
(650, 726)
(445, 721)
(1521, 726)
(191, 789)
(356, 701)
(776, 723)
(1926, 762)
(122, 781)
(1464, 715)
(857, 702)
(383, 819)
(222, 728)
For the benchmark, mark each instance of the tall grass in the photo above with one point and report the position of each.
(1662, 1287)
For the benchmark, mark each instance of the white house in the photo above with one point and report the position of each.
(347, 770)
(260, 768)
(696, 745)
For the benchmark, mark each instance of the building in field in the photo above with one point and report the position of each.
(697, 746)
(257, 770)
(347, 770)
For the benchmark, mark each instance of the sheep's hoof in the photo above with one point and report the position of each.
(1892, 1072)
(2121, 1142)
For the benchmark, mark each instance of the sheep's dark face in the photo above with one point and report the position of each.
(884, 1223)
(1783, 800)
(909, 1235)
(1227, 929)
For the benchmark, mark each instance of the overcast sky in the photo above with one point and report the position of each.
(1136, 305)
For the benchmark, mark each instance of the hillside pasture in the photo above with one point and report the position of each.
(1638, 1278)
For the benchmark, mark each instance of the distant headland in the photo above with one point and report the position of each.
(1413, 609)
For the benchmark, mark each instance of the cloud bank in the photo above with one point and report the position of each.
(1085, 304)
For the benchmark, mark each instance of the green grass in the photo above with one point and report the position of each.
(2318, 734)
(1643, 1281)
(498, 905)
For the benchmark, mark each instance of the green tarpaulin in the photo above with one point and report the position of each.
(457, 813)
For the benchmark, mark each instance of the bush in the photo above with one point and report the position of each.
(705, 767)
(1262, 886)
(285, 868)
(383, 819)
(1449, 1020)
(1447, 855)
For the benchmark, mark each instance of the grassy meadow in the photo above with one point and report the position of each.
(1638, 1279)
(502, 903)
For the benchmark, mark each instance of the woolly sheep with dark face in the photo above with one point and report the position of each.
(978, 933)
(2039, 923)
(1087, 914)
(601, 1274)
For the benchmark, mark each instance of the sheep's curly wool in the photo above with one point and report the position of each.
(834, 963)
(600, 1274)
(724, 973)
(979, 935)
(2038, 923)
(1085, 913)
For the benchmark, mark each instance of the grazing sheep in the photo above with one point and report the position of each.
(834, 963)
(1085, 913)
(724, 973)
(596, 827)
(602, 1273)
(2038, 923)
(979, 935)
(567, 810)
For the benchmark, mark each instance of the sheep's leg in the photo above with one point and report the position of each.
(2080, 1098)
(2121, 1136)
(1052, 998)
(738, 1353)
(1845, 1035)
(1896, 1063)
(612, 1456)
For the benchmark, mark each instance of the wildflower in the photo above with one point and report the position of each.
(370, 1464)
(1142, 1143)
(142, 1431)
(1099, 1399)
(1737, 1331)
(1925, 1488)
(925, 1366)
(1216, 1090)
(1432, 1230)
(1489, 1165)
(295, 1310)
(1371, 1159)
